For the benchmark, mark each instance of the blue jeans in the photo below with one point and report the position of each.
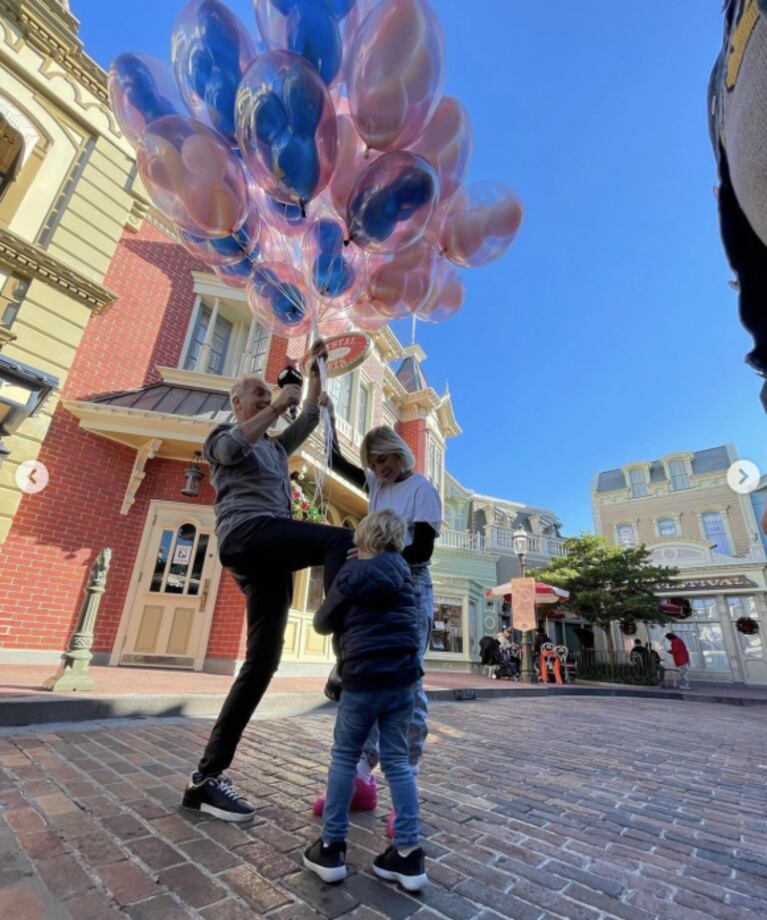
(418, 728)
(358, 711)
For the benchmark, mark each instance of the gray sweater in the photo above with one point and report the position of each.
(252, 480)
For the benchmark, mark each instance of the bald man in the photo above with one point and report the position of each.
(262, 546)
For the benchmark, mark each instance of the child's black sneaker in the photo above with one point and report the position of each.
(409, 871)
(329, 862)
(215, 795)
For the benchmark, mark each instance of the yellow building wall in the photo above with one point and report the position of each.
(60, 114)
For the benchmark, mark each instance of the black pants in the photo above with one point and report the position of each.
(262, 556)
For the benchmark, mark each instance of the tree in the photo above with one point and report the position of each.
(609, 584)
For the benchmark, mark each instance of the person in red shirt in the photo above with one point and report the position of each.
(681, 656)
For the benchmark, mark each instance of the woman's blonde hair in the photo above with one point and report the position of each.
(381, 532)
(385, 440)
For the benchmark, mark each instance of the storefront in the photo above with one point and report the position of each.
(718, 651)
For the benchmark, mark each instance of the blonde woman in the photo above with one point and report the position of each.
(393, 484)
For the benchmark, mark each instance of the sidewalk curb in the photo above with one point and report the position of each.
(37, 710)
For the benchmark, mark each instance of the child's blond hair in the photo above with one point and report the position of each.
(381, 532)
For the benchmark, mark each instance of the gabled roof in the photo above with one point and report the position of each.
(410, 375)
(703, 461)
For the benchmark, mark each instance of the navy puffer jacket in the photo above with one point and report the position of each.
(371, 609)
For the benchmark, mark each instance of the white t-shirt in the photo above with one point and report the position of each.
(415, 499)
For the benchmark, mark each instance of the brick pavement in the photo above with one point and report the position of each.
(532, 809)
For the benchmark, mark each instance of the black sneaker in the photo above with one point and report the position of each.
(329, 862)
(214, 795)
(409, 871)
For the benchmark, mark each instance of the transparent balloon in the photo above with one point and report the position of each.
(141, 90)
(446, 298)
(395, 73)
(277, 296)
(310, 28)
(286, 127)
(226, 250)
(398, 285)
(333, 322)
(192, 176)
(391, 202)
(211, 50)
(446, 143)
(353, 158)
(334, 270)
(238, 274)
(480, 224)
(364, 316)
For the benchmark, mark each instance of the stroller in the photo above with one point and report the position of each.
(498, 663)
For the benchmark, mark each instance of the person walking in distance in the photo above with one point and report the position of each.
(681, 656)
(261, 546)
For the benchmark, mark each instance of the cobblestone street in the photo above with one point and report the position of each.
(532, 809)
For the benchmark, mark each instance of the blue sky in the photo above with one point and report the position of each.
(608, 332)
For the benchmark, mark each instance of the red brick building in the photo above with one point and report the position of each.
(150, 380)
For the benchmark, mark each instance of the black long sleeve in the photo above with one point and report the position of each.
(339, 464)
(422, 547)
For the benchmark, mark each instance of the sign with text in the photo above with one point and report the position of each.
(345, 352)
(523, 603)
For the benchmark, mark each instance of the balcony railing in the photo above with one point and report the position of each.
(500, 540)
(460, 539)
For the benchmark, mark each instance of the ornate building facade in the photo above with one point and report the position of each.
(682, 509)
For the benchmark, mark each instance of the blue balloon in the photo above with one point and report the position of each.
(338, 9)
(303, 103)
(411, 190)
(331, 275)
(237, 273)
(271, 118)
(297, 162)
(141, 90)
(286, 300)
(211, 50)
(288, 212)
(313, 33)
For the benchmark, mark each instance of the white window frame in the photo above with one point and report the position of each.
(619, 542)
(684, 476)
(638, 487)
(661, 520)
(237, 360)
(435, 449)
(725, 530)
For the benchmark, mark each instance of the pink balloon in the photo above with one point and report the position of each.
(395, 73)
(446, 298)
(192, 176)
(392, 202)
(228, 249)
(366, 317)
(277, 296)
(400, 284)
(333, 322)
(446, 143)
(480, 224)
(286, 127)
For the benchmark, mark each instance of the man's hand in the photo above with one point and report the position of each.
(319, 350)
(288, 396)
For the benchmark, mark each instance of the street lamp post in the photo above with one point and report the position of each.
(521, 543)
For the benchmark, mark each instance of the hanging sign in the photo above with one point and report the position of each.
(345, 352)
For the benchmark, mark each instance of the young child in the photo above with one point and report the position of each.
(371, 609)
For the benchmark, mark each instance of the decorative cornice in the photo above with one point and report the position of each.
(6, 336)
(147, 451)
(52, 30)
(30, 261)
(176, 376)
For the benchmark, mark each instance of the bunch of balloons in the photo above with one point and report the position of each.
(319, 167)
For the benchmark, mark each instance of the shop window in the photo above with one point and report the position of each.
(750, 646)
(704, 641)
(340, 390)
(219, 342)
(447, 634)
(714, 531)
